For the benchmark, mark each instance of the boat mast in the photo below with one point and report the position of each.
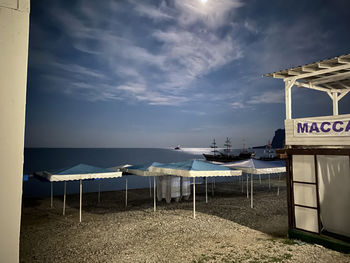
(213, 145)
(228, 146)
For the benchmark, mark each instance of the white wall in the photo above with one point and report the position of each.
(14, 31)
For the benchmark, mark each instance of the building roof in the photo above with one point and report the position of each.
(329, 75)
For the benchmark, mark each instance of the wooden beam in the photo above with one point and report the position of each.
(344, 60)
(310, 86)
(308, 69)
(335, 103)
(288, 97)
(324, 65)
(319, 72)
(343, 94)
(333, 78)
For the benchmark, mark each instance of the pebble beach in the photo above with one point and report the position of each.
(226, 229)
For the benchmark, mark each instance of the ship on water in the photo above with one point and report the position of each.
(227, 156)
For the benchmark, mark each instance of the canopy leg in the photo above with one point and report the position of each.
(51, 205)
(214, 183)
(99, 191)
(278, 189)
(150, 186)
(242, 183)
(247, 186)
(269, 182)
(194, 197)
(154, 194)
(212, 186)
(251, 191)
(81, 199)
(260, 178)
(64, 197)
(126, 191)
(206, 189)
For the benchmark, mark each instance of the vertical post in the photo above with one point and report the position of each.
(51, 194)
(212, 186)
(154, 194)
(64, 197)
(206, 190)
(335, 103)
(251, 191)
(194, 197)
(288, 96)
(126, 191)
(260, 178)
(99, 191)
(242, 183)
(269, 181)
(81, 199)
(150, 186)
(247, 186)
(278, 189)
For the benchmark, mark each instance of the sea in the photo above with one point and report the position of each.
(50, 159)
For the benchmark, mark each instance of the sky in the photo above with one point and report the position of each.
(173, 72)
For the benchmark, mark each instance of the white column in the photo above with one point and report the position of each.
(206, 190)
(14, 31)
(154, 194)
(81, 199)
(64, 197)
(126, 191)
(288, 97)
(335, 103)
(51, 200)
(278, 189)
(212, 186)
(194, 197)
(251, 190)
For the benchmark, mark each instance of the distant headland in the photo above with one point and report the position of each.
(277, 141)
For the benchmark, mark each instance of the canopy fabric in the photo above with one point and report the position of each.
(141, 170)
(193, 168)
(78, 172)
(254, 166)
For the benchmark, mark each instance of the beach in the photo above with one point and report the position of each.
(226, 229)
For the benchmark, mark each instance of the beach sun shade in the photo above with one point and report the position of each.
(194, 168)
(78, 172)
(140, 170)
(254, 166)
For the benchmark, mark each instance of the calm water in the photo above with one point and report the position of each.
(40, 159)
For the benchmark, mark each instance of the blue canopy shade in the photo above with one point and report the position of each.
(140, 169)
(254, 166)
(193, 168)
(79, 172)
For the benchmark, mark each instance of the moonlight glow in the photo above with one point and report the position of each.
(203, 1)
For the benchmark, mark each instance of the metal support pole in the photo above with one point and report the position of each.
(251, 190)
(154, 194)
(269, 181)
(51, 195)
(81, 199)
(64, 197)
(206, 190)
(194, 197)
(150, 186)
(278, 189)
(212, 186)
(99, 191)
(260, 178)
(126, 191)
(247, 186)
(335, 103)
(242, 183)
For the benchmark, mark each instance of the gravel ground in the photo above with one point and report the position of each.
(226, 229)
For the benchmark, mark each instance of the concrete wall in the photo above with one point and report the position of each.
(14, 32)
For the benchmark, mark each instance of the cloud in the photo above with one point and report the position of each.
(267, 97)
(158, 63)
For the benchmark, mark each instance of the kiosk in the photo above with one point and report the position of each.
(317, 151)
